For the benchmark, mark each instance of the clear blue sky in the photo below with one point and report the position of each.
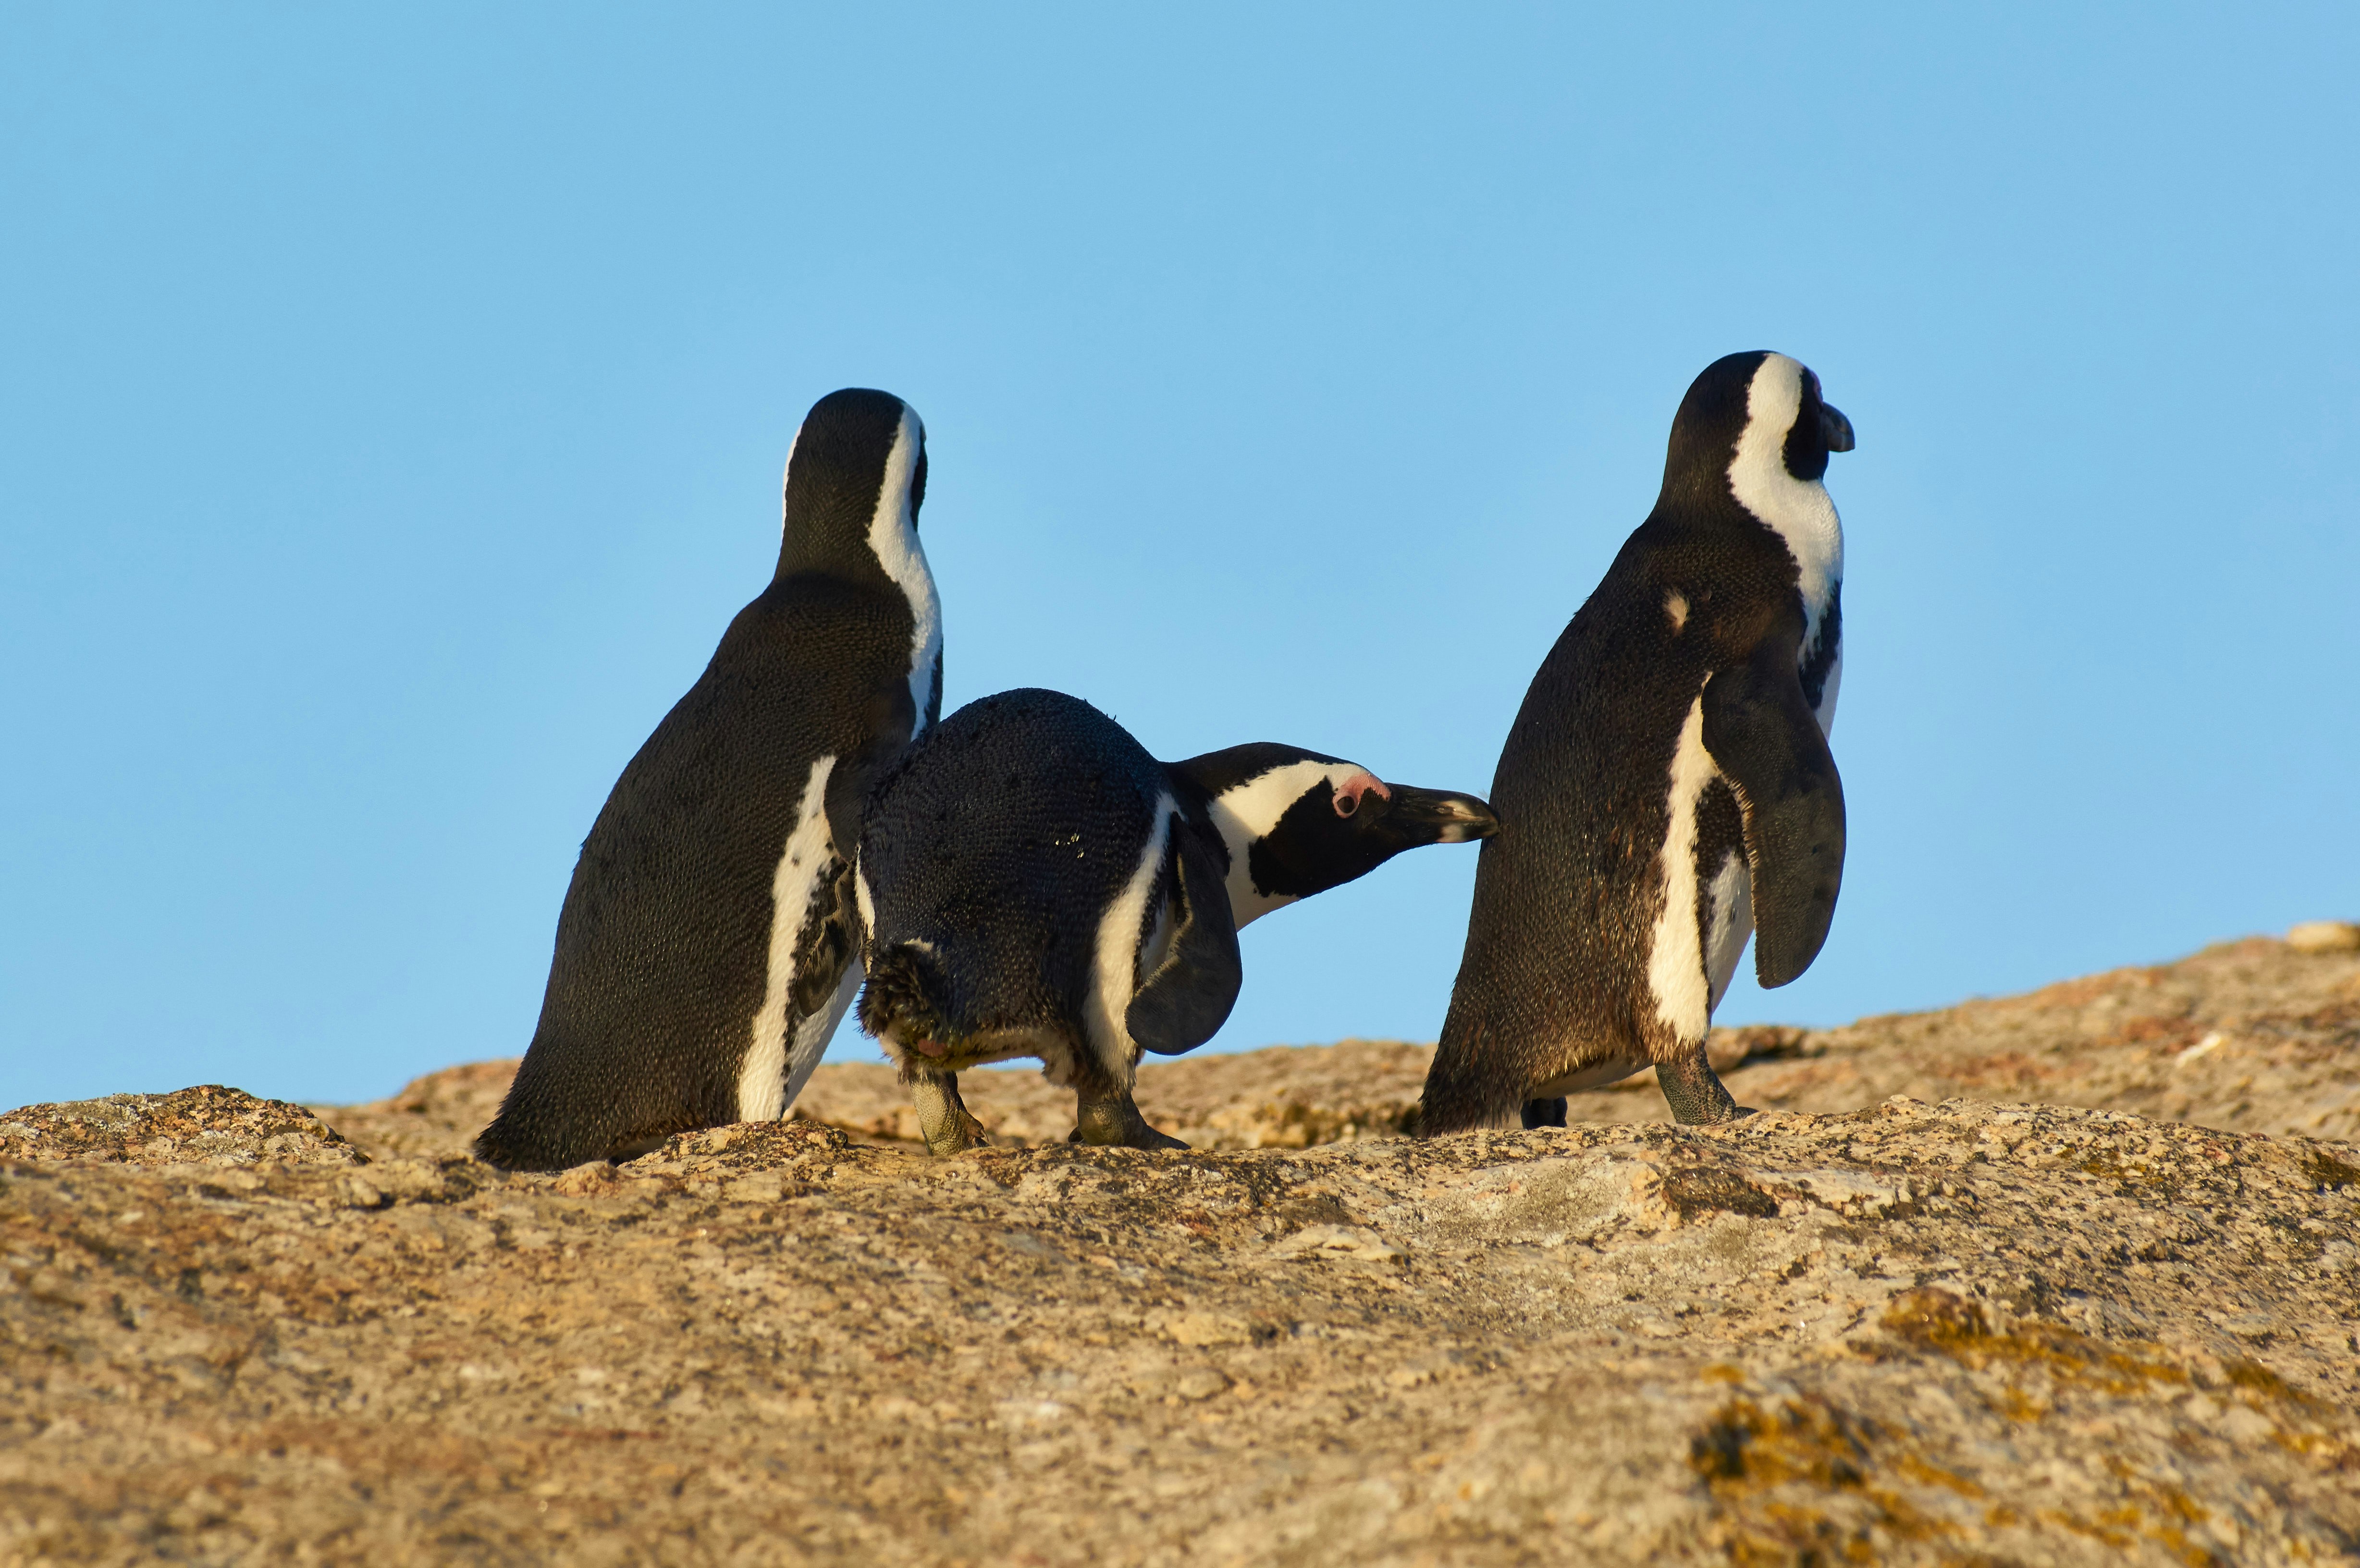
(392, 404)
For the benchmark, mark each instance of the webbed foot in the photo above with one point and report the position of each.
(1545, 1113)
(1694, 1091)
(1117, 1123)
(943, 1120)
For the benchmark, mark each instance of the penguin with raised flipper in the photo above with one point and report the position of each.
(707, 945)
(1667, 789)
(1034, 884)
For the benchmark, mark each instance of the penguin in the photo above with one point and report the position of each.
(707, 945)
(1667, 787)
(1034, 884)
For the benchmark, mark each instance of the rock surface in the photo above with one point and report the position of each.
(208, 1125)
(2252, 1036)
(1893, 1332)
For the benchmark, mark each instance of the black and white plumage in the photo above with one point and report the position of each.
(1034, 884)
(1668, 788)
(706, 948)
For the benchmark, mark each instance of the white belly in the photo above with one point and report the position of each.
(763, 1091)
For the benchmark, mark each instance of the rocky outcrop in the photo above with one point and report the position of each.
(208, 1125)
(1899, 1332)
(2256, 1036)
(2252, 1036)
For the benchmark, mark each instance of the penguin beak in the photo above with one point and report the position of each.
(1834, 428)
(1431, 816)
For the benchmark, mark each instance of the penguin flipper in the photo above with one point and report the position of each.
(1179, 1006)
(831, 934)
(1763, 735)
(890, 724)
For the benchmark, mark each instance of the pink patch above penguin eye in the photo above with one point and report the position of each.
(1348, 793)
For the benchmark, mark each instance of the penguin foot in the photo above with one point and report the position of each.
(942, 1118)
(1694, 1091)
(1117, 1123)
(1545, 1113)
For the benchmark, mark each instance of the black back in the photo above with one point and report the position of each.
(1566, 893)
(998, 841)
(663, 943)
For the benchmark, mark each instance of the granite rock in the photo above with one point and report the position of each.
(2252, 1036)
(1901, 1331)
(207, 1125)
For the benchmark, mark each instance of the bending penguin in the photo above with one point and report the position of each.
(1034, 884)
(706, 948)
(1667, 787)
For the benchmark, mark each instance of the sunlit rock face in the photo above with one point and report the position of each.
(1859, 1326)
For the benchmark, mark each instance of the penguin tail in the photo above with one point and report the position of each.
(1465, 1092)
(527, 1136)
(545, 1122)
(905, 995)
(1442, 1112)
(499, 1145)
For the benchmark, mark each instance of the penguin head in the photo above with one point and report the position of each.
(1744, 403)
(855, 478)
(1298, 822)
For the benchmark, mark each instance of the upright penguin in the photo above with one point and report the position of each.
(706, 948)
(1035, 884)
(1667, 786)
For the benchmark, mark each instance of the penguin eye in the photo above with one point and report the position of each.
(1349, 792)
